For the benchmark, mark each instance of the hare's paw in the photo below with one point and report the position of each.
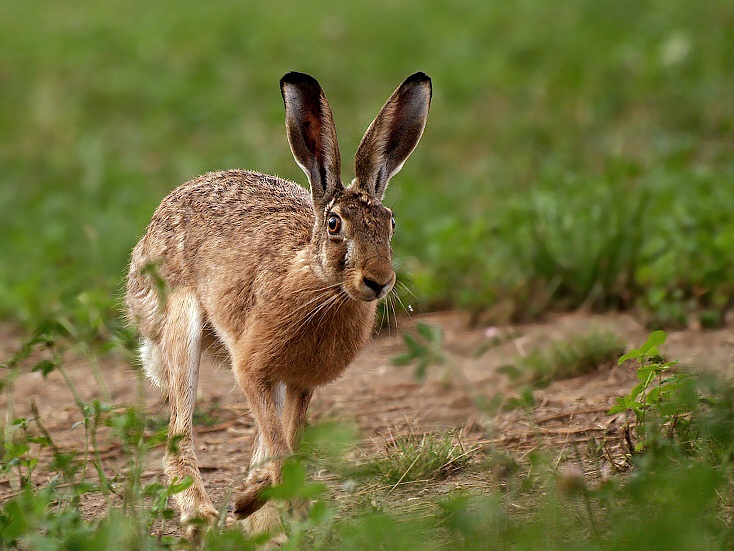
(276, 542)
(198, 519)
(265, 520)
(298, 508)
(248, 500)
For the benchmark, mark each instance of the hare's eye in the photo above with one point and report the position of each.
(392, 221)
(334, 224)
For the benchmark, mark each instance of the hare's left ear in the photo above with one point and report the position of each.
(393, 135)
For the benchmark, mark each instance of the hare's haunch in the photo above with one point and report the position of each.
(284, 282)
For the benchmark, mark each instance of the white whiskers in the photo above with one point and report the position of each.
(321, 308)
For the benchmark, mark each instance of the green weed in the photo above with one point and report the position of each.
(662, 404)
(421, 457)
(424, 350)
(565, 359)
(47, 515)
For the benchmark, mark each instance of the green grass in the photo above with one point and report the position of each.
(567, 358)
(423, 457)
(575, 154)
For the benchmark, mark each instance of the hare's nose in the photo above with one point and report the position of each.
(375, 286)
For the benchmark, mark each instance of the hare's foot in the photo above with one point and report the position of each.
(197, 519)
(197, 510)
(266, 520)
(275, 542)
(195, 505)
(249, 500)
(298, 508)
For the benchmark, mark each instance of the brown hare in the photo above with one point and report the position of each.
(285, 282)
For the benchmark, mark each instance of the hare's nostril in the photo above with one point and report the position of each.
(376, 287)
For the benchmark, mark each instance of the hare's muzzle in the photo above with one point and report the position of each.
(379, 287)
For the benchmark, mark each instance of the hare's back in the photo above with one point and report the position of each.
(236, 202)
(224, 221)
(236, 196)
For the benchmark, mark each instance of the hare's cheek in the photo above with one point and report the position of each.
(348, 257)
(337, 257)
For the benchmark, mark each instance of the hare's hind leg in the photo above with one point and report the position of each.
(180, 351)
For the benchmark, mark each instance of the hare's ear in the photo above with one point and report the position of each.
(312, 134)
(393, 135)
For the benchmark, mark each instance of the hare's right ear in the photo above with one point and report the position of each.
(312, 134)
(393, 135)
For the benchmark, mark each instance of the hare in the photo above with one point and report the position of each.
(285, 282)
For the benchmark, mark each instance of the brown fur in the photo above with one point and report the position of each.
(247, 261)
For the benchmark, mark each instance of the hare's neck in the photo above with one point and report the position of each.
(320, 300)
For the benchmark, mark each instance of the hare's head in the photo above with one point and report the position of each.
(352, 233)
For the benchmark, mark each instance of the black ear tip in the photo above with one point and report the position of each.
(296, 78)
(418, 78)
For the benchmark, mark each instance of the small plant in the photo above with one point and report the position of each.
(160, 495)
(659, 400)
(424, 457)
(566, 359)
(424, 350)
(47, 515)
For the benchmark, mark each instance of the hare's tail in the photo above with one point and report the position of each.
(145, 303)
(150, 357)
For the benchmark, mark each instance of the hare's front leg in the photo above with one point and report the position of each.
(292, 405)
(266, 519)
(272, 445)
(180, 350)
(297, 400)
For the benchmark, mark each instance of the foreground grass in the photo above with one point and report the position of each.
(421, 457)
(678, 493)
(575, 154)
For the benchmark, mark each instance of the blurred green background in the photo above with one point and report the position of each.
(578, 153)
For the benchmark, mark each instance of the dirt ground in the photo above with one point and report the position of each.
(383, 401)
